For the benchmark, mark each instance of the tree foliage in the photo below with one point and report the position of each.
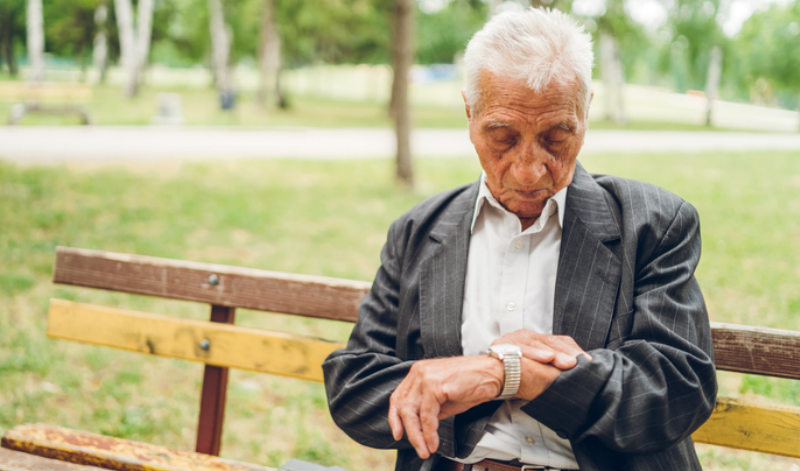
(768, 61)
(760, 60)
(442, 35)
(694, 30)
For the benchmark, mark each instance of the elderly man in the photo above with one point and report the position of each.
(540, 317)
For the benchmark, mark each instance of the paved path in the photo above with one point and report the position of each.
(52, 145)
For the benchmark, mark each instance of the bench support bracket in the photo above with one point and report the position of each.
(212, 401)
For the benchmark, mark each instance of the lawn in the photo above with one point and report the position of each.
(325, 218)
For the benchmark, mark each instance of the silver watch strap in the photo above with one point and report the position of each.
(513, 374)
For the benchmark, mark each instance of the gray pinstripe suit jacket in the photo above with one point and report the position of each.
(625, 290)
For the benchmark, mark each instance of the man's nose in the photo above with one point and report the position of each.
(530, 165)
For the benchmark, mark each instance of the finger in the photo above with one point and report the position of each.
(542, 355)
(563, 344)
(428, 414)
(413, 428)
(562, 361)
(395, 423)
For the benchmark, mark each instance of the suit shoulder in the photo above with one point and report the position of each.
(641, 197)
(431, 208)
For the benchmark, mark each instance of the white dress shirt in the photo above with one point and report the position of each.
(510, 285)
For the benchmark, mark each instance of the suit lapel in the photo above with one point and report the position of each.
(587, 281)
(441, 290)
(588, 275)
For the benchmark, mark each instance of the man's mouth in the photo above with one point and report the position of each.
(530, 194)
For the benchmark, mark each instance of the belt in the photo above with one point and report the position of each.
(493, 465)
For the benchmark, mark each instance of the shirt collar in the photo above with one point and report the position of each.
(485, 197)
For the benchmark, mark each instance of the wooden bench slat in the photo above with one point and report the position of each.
(113, 453)
(311, 296)
(12, 460)
(228, 345)
(750, 426)
(756, 350)
(45, 91)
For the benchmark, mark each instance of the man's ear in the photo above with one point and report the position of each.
(466, 104)
(589, 105)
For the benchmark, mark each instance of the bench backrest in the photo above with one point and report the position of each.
(221, 345)
(45, 92)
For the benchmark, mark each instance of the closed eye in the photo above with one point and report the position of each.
(554, 137)
(504, 137)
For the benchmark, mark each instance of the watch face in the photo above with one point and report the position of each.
(506, 349)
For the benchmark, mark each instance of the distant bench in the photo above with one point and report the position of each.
(221, 345)
(46, 98)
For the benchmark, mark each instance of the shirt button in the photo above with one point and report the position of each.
(517, 244)
(510, 306)
(529, 440)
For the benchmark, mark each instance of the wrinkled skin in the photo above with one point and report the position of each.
(527, 143)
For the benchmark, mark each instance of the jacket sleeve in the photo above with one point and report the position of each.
(360, 378)
(652, 387)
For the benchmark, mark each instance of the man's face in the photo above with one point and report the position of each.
(527, 142)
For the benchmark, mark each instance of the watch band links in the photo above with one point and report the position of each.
(511, 381)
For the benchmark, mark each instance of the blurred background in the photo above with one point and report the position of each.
(288, 134)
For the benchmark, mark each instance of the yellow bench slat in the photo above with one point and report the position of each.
(751, 426)
(12, 460)
(227, 345)
(72, 446)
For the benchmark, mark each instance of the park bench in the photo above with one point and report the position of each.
(221, 345)
(46, 98)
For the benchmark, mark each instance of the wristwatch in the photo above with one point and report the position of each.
(510, 355)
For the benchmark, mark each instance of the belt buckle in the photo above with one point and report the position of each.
(528, 467)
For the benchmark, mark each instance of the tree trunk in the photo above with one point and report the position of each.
(270, 59)
(613, 78)
(35, 22)
(8, 44)
(712, 82)
(127, 40)
(402, 58)
(220, 50)
(144, 32)
(100, 50)
(134, 41)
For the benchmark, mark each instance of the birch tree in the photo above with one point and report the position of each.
(35, 23)
(712, 82)
(220, 52)
(613, 78)
(402, 58)
(613, 25)
(100, 50)
(134, 40)
(270, 58)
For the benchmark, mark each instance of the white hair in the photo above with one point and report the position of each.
(535, 46)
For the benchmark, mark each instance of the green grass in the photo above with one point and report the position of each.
(324, 218)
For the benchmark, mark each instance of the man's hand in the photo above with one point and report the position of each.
(559, 350)
(438, 388)
(543, 358)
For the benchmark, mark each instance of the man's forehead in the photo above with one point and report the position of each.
(512, 94)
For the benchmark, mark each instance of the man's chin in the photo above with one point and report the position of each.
(528, 211)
